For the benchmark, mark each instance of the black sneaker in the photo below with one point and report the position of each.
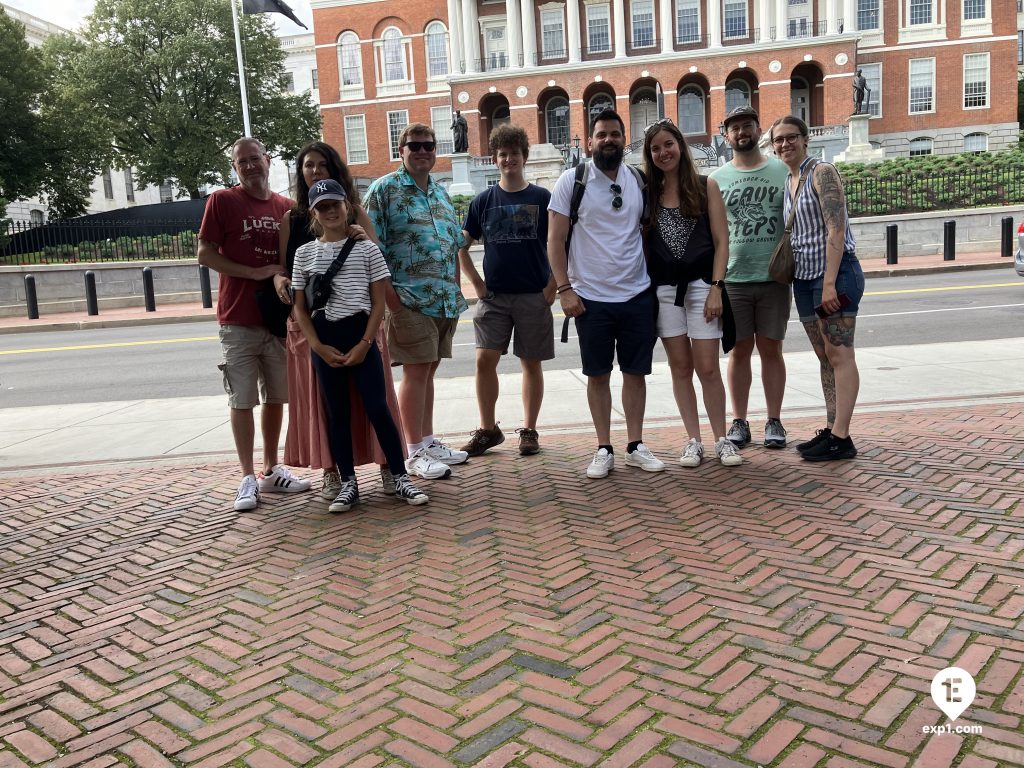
(774, 434)
(404, 489)
(819, 437)
(739, 433)
(832, 449)
(347, 497)
(484, 439)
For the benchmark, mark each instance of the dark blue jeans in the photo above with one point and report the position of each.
(369, 380)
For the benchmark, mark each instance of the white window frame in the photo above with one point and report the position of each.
(691, 87)
(979, 26)
(590, 105)
(634, 6)
(490, 63)
(391, 43)
(314, 78)
(874, 97)
(987, 57)
(108, 184)
(547, 121)
(599, 12)
(974, 135)
(355, 125)
(689, 5)
(399, 86)
(922, 3)
(288, 82)
(746, 20)
(394, 135)
(429, 35)
(877, 13)
(441, 122)
(552, 13)
(910, 80)
(921, 31)
(931, 146)
(348, 41)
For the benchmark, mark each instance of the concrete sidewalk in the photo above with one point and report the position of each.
(173, 313)
(775, 614)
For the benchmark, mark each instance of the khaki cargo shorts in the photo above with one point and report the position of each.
(255, 366)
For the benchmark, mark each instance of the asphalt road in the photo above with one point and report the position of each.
(162, 361)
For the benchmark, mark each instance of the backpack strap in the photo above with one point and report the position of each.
(339, 260)
(641, 180)
(578, 188)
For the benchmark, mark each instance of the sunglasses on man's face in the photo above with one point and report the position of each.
(616, 190)
(418, 146)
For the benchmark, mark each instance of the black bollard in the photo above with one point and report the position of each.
(147, 289)
(1007, 241)
(91, 302)
(949, 240)
(891, 249)
(204, 286)
(30, 297)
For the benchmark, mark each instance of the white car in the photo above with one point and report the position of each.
(1018, 260)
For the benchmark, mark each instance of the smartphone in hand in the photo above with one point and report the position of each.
(844, 301)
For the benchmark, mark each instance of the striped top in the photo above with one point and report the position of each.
(809, 236)
(350, 288)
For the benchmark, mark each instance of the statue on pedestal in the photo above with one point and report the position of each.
(460, 132)
(860, 91)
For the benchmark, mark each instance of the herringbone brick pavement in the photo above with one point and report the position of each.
(779, 613)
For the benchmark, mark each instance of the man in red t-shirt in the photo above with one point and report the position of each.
(239, 239)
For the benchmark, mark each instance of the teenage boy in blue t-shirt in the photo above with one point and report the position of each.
(516, 290)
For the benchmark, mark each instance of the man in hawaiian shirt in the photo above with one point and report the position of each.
(419, 234)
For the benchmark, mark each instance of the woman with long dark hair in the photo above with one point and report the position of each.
(306, 443)
(687, 252)
(828, 284)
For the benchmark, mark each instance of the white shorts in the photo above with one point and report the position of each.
(687, 320)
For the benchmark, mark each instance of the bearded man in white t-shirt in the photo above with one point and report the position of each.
(603, 283)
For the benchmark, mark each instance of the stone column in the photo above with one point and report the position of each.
(833, 7)
(781, 19)
(667, 26)
(715, 23)
(455, 41)
(512, 33)
(471, 35)
(529, 34)
(850, 16)
(619, 21)
(572, 23)
(765, 19)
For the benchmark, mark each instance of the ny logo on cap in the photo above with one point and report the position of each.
(320, 187)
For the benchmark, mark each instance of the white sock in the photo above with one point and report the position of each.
(427, 440)
(413, 447)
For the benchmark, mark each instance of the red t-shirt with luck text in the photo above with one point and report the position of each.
(246, 229)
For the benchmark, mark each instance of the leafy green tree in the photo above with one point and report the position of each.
(163, 72)
(22, 147)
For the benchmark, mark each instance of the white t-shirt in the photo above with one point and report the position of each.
(606, 258)
(350, 289)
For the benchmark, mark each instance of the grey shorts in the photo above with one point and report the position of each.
(415, 338)
(760, 309)
(528, 314)
(255, 366)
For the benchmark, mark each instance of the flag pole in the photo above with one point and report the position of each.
(241, 72)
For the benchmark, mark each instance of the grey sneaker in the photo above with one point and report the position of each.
(774, 434)
(331, 485)
(727, 453)
(387, 480)
(692, 453)
(739, 433)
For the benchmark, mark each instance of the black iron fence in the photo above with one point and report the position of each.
(910, 193)
(98, 240)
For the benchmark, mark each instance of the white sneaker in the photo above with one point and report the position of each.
(281, 480)
(692, 453)
(602, 464)
(643, 458)
(422, 465)
(330, 486)
(438, 451)
(727, 453)
(248, 495)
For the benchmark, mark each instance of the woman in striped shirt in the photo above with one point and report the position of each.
(828, 284)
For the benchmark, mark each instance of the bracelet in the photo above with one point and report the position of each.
(563, 289)
(368, 341)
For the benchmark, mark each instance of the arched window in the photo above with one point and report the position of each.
(436, 38)
(976, 142)
(394, 55)
(35, 216)
(691, 110)
(598, 104)
(737, 94)
(643, 110)
(350, 59)
(556, 118)
(500, 116)
(920, 146)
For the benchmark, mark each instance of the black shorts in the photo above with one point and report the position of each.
(626, 329)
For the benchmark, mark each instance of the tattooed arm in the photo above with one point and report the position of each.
(833, 210)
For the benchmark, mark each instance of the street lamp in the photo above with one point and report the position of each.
(571, 151)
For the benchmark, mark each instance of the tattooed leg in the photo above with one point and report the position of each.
(839, 331)
(828, 376)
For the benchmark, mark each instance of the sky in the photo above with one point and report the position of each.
(71, 13)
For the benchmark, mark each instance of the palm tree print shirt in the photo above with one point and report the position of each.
(420, 236)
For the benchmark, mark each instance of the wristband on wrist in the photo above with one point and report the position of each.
(368, 342)
(563, 288)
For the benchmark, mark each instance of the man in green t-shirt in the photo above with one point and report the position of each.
(753, 187)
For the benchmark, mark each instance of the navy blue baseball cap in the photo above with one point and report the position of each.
(328, 189)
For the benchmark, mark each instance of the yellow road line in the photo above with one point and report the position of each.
(944, 288)
(105, 346)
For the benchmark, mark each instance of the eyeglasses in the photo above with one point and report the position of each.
(657, 125)
(789, 138)
(747, 126)
(416, 146)
(616, 190)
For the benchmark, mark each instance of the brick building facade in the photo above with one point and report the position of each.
(942, 73)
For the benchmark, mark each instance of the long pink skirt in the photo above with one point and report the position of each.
(306, 443)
